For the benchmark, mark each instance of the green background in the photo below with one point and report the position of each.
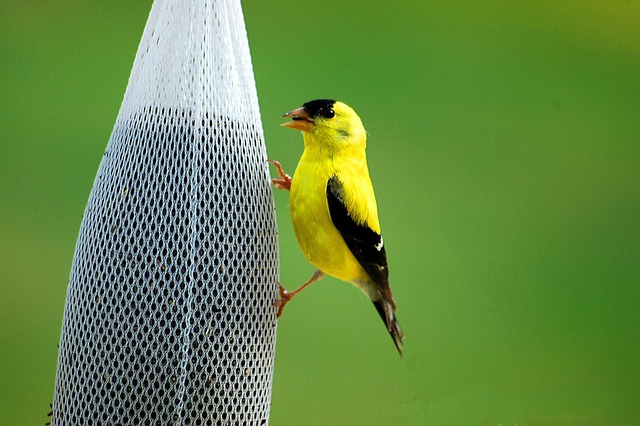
(504, 145)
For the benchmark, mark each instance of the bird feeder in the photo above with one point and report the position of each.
(169, 316)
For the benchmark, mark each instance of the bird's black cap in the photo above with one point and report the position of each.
(318, 107)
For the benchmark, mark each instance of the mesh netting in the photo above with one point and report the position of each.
(169, 317)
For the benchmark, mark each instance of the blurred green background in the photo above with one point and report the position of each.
(504, 145)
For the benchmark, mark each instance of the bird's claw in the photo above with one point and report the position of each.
(285, 297)
(283, 182)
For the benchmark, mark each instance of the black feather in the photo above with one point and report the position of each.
(368, 248)
(365, 244)
(318, 107)
(393, 326)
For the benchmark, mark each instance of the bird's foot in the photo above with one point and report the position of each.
(285, 297)
(283, 181)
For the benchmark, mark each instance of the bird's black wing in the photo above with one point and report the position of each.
(368, 248)
(366, 245)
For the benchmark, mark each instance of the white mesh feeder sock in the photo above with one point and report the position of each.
(169, 317)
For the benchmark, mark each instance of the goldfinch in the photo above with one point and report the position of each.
(333, 206)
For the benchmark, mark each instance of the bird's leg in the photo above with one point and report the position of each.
(286, 296)
(284, 180)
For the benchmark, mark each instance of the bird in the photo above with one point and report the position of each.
(333, 206)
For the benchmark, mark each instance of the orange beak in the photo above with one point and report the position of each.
(300, 120)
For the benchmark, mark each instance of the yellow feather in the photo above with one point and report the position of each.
(333, 148)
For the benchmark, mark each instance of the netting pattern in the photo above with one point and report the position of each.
(169, 317)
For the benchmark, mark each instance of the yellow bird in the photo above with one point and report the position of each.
(333, 206)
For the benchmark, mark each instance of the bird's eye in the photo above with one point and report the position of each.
(329, 113)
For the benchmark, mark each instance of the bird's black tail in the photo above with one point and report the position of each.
(387, 310)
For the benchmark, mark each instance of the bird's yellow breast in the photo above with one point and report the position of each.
(319, 240)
